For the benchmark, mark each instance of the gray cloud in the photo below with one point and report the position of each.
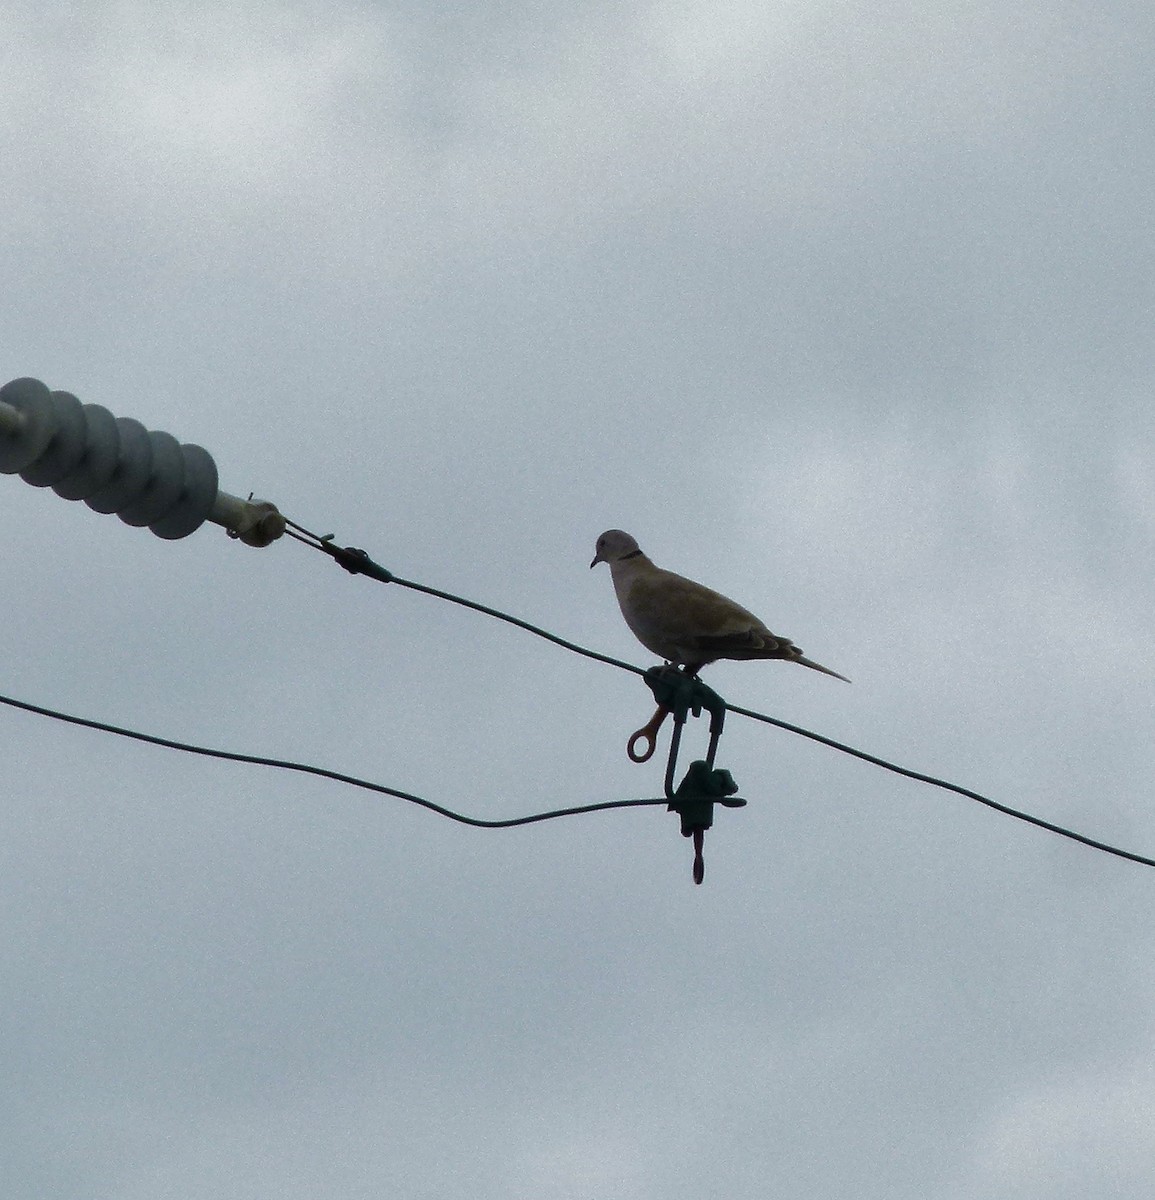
(844, 310)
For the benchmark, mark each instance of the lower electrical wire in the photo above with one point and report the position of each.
(509, 822)
(322, 772)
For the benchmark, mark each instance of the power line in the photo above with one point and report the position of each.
(478, 822)
(357, 562)
(944, 784)
(115, 465)
(323, 772)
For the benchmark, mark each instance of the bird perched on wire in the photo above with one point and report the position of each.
(682, 621)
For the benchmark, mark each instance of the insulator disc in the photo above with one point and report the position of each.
(22, 448)
(133, 468)
(101, 449)
(196, 501)
(165, 484)
(66, 448)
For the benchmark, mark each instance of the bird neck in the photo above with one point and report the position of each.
(629, 565)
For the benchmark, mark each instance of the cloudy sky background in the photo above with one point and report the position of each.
(843, 308)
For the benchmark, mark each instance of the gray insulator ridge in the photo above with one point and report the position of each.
(113, 464)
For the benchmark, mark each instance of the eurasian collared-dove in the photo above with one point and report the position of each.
(682, 621)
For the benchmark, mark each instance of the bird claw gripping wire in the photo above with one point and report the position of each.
(682, 695)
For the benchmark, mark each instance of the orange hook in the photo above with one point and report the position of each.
(649, 734)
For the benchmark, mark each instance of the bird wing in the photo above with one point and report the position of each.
(686, 622)
(679, 613)
(755, 642)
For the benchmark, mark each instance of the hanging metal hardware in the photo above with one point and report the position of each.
(680, 695)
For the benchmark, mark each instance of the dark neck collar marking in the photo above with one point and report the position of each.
(632, 554)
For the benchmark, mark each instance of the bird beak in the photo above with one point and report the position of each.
(597, 559)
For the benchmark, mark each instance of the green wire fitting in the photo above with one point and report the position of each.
(694, 800)
(355, 561)
(697, 794)
(683, 694)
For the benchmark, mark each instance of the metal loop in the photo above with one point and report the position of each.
(649, 734)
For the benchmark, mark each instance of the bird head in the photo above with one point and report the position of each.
(613, 545)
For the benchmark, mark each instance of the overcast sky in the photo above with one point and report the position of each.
(844, 309)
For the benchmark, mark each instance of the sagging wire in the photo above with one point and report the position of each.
(357, 562)
(322, 772)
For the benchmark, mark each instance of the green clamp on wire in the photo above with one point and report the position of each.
(355, 561)
(683, 694)
(697, 794)
(694, 800)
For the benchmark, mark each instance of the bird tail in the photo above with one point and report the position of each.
(806, 662)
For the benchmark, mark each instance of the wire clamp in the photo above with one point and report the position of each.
(694, 800)
(683, 695)
(680, 694)
(355, 561)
